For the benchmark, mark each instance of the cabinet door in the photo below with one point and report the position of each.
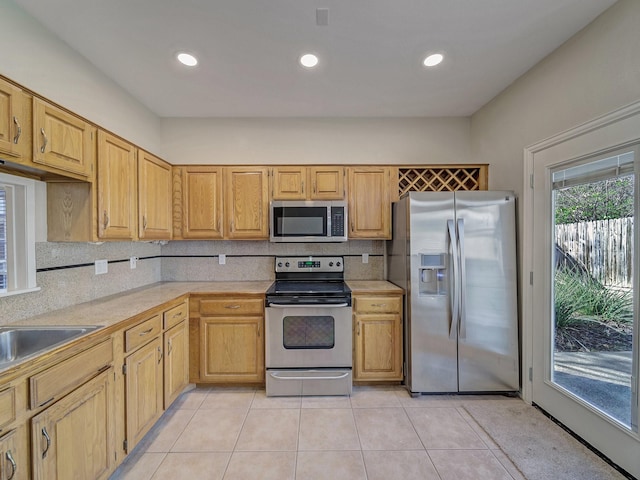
(116, 188)
(74, 437)
(369, 203)
(327, 183)
(246, 203)
(378, 347)
(13, 459)
(154, 197)
(61, 140)
(232, 349)
(288, 183)
(144, 390)
(10, 121)
(201, 202)
(176, 362)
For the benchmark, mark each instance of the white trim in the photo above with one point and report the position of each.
(17, 292)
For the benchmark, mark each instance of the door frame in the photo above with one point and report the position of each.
(613, 130)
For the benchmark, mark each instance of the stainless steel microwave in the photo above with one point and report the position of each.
(308, 221)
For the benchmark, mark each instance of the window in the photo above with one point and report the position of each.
(17, 235)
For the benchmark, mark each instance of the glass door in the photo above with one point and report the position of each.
(592, 284)
(585, 256)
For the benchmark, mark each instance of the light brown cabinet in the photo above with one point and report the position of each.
(197, 205)
(13, 459)
(369, 202)
(307, 183)
(73, 437)
(377, 337)
(14, 122)
(144, 379)
(117, 217)
(62, 142)
(226, 339)
(176, 352)
(154, 197)
(246, 203)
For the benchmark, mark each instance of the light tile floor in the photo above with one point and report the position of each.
(378, 433)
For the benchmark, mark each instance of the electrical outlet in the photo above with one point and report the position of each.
(222, 259)
(133, 261)
(365, 258)
(102, 266)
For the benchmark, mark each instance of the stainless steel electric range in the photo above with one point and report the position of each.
(308, 329)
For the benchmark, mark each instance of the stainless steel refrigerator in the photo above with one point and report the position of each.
(454, 253)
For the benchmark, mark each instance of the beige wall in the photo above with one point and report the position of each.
(34, 58)
(595, 72)
(316, 140)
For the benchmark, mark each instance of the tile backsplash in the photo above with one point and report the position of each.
(66, 272)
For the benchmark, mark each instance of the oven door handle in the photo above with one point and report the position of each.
(336, 377)
(321, 305)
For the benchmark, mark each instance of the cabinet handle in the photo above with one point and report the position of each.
(159, 354)
(358, 328)
(378, 304)
(314, 187)
(303, 187)
(258, 330)
(14, 467)
(176, 315)
(142, 334)
(170, 347)
(218, 228)
(233, 307)
(46, 140)
(144, 222)
(231, 226)
(48, 439)
(18, 130)
(105, 219)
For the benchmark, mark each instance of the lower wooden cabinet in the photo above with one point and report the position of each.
(377, 337)
(144, 390)
(13, 459)
(73, 437)
(226, 339)
(176, 361)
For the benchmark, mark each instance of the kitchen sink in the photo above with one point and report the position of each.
(19, 343)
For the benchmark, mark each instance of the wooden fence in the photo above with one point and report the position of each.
(604, 248)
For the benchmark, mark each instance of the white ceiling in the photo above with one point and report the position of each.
(371, 52)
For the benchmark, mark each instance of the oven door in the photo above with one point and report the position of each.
(317, 336)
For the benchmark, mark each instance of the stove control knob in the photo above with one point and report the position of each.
(331, 264)
(287, 264)
(280, 264)
(337, 264)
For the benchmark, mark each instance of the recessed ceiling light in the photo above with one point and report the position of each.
(309, 60)
(187, 59)
(433, 60)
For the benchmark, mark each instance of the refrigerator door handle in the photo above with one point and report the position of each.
(462, 282)
(453, 275)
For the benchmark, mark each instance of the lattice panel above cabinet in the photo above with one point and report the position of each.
(442, 178)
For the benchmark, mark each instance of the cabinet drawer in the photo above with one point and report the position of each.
(69, 374)
(232, 306)
(142, 333)
(378, 304)
(175, 315)
(7, 406)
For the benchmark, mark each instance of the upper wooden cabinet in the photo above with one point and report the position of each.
(369, 202)
(116, 188)
(197, 202)
(154, 197)
(62, 141)
(246, 203)
(307, 183)
(13, 122)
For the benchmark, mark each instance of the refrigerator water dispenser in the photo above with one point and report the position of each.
(431, 274)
